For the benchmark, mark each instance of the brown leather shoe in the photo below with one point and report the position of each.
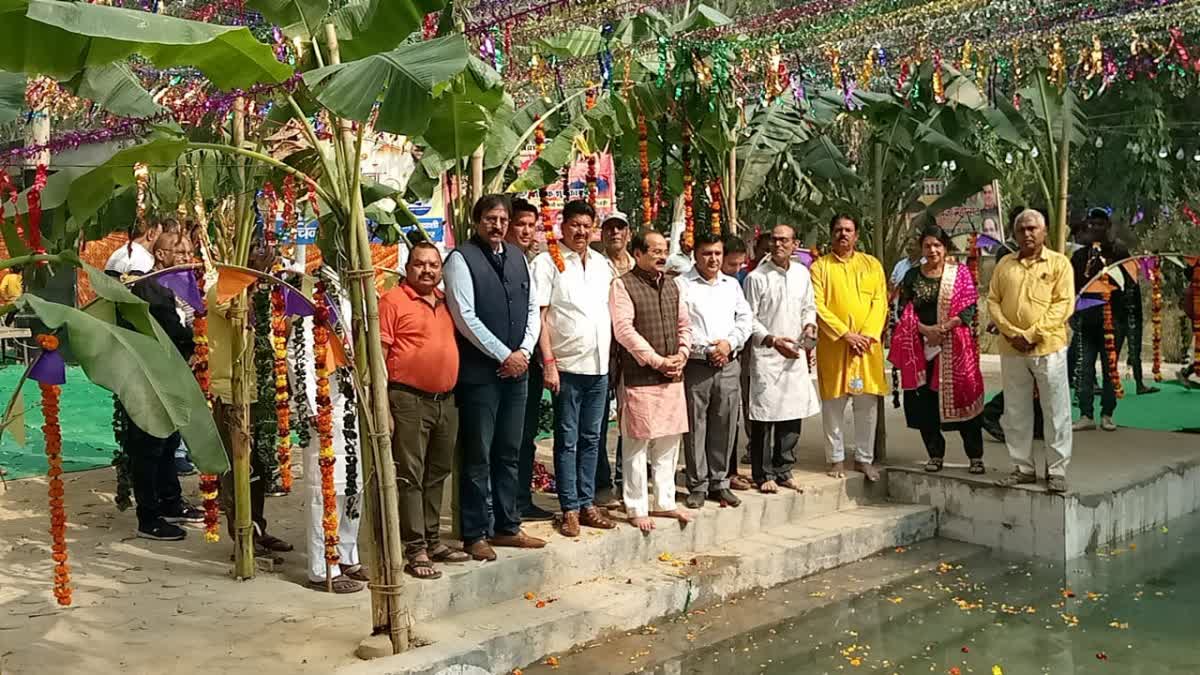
(480, 550)
(594, 517)
(569, 524)
(740, 483)
(518, 540)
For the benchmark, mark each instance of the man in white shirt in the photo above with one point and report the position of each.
(681, 260)
(782, 392)
(721, 324)
(575, 341)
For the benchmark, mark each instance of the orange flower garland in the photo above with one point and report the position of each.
(279, 331)
(1196, 312)
(209, 482)
(644, 165)
(714, 188)
(688, 206)
(268, 218)
(539, 144)
(1156, 307)
(593, 189)
(52, 431)
(973, 266)
(1110, 346)
(325, 456)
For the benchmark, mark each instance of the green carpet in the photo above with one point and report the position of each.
(86, 420)
(1171, 409)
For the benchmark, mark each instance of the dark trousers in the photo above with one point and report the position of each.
(423, 438)
(491, 419)
(972, 438)
(608, 474)
(993, 410)
(774, 463)
(533, 415)
(1131, 332)
(579, 416)
(713, 404)
(223, 415)
(1091, 346)
(155, 482)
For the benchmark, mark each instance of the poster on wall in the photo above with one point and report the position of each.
(982, 212)
(577, 187)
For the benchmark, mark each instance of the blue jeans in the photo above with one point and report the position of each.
(491, 418)
(579, 415)
(533, 409)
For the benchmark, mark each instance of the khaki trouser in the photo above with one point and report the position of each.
(423, 441)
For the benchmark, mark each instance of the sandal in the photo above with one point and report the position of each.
(357, 573)
(272, 543)
(977, 467)
(934, 464)
(341, 585)
(445, 554)
(422, 569)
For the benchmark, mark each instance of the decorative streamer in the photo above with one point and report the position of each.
(52, 431)
(34, 199)
(300, 381)
(1110, 346)
(714, 189)
(689, 225)
(1156, 307)
(326, 458)
(141, 174)
(644, 165)
(350, 438)
(283, 445)
(1058, 65)
(939, 88)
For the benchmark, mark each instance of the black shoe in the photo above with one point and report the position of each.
(725, 496)
(993, 429)
(695, 499)
(161, 530)
(183, 467)
(188, 514)
(535, 514)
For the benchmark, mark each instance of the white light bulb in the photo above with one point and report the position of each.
(1034, 153)
(1099, 142)
(925, 168)
(953, 165)
(1162, 153)
(1008, 159)
(1179, 154)
(1196, 157)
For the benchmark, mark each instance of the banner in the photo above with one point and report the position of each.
(606, 190)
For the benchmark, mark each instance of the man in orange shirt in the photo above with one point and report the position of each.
(422, 365)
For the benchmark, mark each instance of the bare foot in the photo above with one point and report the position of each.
(642, 523)
(675, 514)
(791, 484)
(769, 487)
(868, 470)
(837, 470)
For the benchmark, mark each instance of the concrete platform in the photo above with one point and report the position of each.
(629, 594)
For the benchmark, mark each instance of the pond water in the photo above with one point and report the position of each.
(1129, 609)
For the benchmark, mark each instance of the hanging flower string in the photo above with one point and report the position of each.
(973, 266)
(283, 444)
(325, 456)
(539, 144)
(1156, 307)
(209, 482)
(290, 214)
(270, 207)
(714, 188)
(688, 206)
(350, 438)
(644, 165)
(1196, 312)
(34, 199)
(141, 174)
(1110, 346)
(50, 372)
(592, 188)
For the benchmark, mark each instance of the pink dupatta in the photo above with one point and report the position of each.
(958, 379)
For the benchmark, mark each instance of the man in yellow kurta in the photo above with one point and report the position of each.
(852, 306)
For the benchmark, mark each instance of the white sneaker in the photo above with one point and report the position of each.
(1107, 423)
(1084, 424)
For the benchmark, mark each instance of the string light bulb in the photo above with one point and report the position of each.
(1162, 153)
(1099, 142)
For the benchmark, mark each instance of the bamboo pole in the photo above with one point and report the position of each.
(731, 200)
(387, 580)
(239, 420)
(476, 174)
(1064, 168)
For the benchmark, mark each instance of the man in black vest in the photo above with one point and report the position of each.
(489, 294)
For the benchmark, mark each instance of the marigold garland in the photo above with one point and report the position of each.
(1156, 307)
(325, 456)
(644, 165)
(279, 331)
(1110, 346)
(593, 189)
(271, 203)
(209, 483)
(689, 227)
(1196, 314)
(714, 189)
(973, 266)
(290, 214)
(52, 431)
(539, 144)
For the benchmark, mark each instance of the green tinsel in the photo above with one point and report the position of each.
(299, 421)
(120, 460)
(263, 425)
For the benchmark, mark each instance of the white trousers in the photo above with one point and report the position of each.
(662, 453)
(1019, 374)
(347, 537)
(833, 418)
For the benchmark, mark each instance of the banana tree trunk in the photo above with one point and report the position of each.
(243, 526)
(387, 578)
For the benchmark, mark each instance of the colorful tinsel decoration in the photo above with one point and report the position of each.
(688, 181)
(939, 87)
(644, 165)
(350, 438)
(1156, 307)
(300, 382)
(34, 199)
(325, 456)
(714, 190)
(141, 174)
(1110, 346)
(279, 332)
(52, 431)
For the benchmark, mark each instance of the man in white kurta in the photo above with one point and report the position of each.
(348, 574)
(782, 392)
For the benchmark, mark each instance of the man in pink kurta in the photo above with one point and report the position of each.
(650, 323)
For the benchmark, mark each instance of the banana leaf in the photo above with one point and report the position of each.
(12, 96)
(114, 88)
(369, 27)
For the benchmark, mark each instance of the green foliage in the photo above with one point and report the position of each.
(12, 96)
(114, 88)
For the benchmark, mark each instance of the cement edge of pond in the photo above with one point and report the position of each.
(509, 635)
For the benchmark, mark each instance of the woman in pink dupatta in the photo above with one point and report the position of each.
(935, 350)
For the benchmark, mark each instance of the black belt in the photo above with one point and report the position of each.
(399, 386)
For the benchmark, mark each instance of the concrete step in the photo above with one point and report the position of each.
(566, 561)
(515, 632)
